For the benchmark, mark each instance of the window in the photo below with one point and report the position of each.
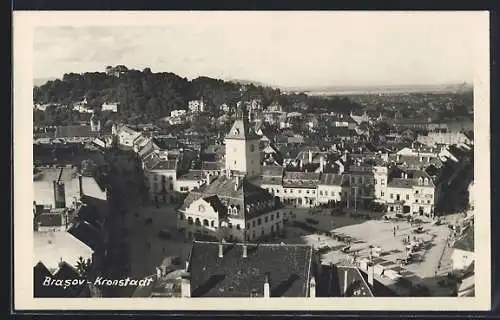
(340, 194)
(277, 191)
(252, 148)
(307, 191)
(248, 225)
(382, 182)
(291, 190)
(416, 200)
(238, 227)
(321, 192)
(230, 225)
(272, 217)
(259, 221)
(265, 219)
(416, 191)
(314, 192)
(391, 196)
(197, 222)
(190, 220)
(212, 223)
(332, 193)
(284, 191)
(205, 222)
(181, 217)
(253, 224)
(381, 193)
(277, 215)
(428, 201)
(300, 191)
(277, 226)
(201, 208)
(235, 162)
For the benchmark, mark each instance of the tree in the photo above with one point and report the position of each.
(83, 267)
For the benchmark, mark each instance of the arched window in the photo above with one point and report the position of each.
(426, 181)
(205, 222)
(212, 223)
(190, 220)
(181, 217)
(238, 227)
(197, 222)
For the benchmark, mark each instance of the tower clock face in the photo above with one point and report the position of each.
(252, 148)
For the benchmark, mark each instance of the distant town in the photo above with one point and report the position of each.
(212, 188)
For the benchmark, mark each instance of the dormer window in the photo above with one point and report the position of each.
(426, 181)
(236, 131)
(201, 208)
(420, 180)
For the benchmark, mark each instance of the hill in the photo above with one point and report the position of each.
(147, 96)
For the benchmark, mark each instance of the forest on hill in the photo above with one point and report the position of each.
(150, 96)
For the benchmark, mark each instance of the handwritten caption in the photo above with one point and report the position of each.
(99, 282)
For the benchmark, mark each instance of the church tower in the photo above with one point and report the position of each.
(242, 147)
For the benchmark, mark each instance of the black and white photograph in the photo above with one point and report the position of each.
(187, 156)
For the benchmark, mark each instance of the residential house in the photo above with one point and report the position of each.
(332, 188)
(299, 188)
(249, 270)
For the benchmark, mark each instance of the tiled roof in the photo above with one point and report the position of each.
(272, 171)
(50, 220)
(165, 165)
(465, 243)
(331, 179)
(401, 183)
(247, 195)
(277, 181)
(211, 166)
(301, 179)
(191, 175)
(288, 268)
(151, 161)
(74, 131)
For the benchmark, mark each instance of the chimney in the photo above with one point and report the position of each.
(187, 266)
(345, 281)
(370, 274)
(402, 175)
(158, 272)
(312, 288)
(186, 285)
(310, 156)
(244, 253)
(221, 250)
(80, 184)
(322, 164)
(266, 286)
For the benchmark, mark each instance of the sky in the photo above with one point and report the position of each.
(283, 49)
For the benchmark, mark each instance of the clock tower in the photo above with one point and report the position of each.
(242, 147)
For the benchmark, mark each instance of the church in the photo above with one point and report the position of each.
(232, 206)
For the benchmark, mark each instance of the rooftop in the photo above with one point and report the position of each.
(332, 179)
(247, 195)
(51, 248)
(465, 243)
(288, 268)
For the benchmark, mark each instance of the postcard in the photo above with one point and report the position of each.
(319, 160)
